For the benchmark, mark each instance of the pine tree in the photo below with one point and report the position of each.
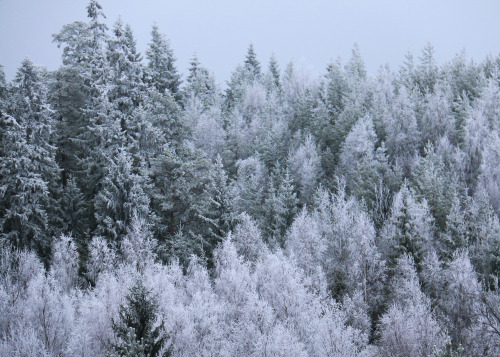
(336, 89)
(252, 65)
(102, 134)
(242, 78)
(137, 330)
(126, 73)
(409, 229)
(24, 194)
(74, 212)
(275, 71)
(30, 108)
(3, 91)
(165, 116)
(201, 84)
(426, 74)
(280, 205)
(181, 177)
(121, 195)
(455, 235)
(355, 68)
(217, 211)
(432, 182)
(161, 73)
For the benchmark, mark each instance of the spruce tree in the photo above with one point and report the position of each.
(409, 229)
(126, 74)
(121, 195)
(216, 212)
(275, 73)
(161, 73)
(30, 108)
(137, 330)
(3, 91)
(24, 194)
(201, 84)
(280, 204)
(252, 65)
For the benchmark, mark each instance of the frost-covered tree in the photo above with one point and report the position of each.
(460, 299)
(272, 78)
(181, 179)
(64, 267)
(281, 204)
(306, 245)
(122, 194)
(252, 65)
(247, 191)
(409, 327)
(437, 118)
(351, 260)
(126, 79)
(201, 84)
(304, 164)
(74, 212)
(489, 176)
(24, 192)
(409, 229)
(137, 330)
(358, 147)
(3, 90)
(102, 258)
(248, 239)
(435, 183)
(403, 136)
(30, 108)
(138, 246)
(161, 73)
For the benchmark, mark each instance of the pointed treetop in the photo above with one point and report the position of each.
(195, 65)
(94, 10)
(274, 70)
(161, 67)
(356, 65)
(251, 62)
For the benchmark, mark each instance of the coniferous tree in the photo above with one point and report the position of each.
(274, 75)
(127, 86)
(336, 89)
(24, 192)
(161, 73)
(3, 91)
(252, 65)
(74, 212)
(432, 182)
(29, 100)
(137, 330)
(121, 195)
(281, 205)
(409, 229)
(201, 85)
(217, 210)
(181, 178)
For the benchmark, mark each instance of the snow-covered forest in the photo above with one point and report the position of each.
(147, 214)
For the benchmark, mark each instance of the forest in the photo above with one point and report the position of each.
(146, 214)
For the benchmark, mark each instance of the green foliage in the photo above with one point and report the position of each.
(448, 351)
(161, 73)
(138, 333)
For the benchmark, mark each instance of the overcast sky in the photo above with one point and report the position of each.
(308, 32)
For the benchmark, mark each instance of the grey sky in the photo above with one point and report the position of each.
(309, 32)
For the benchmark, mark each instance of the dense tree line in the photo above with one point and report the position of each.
(143, 214)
